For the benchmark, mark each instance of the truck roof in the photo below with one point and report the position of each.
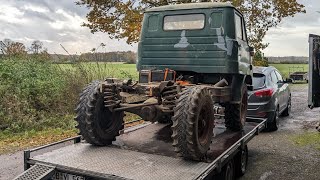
(204, 5)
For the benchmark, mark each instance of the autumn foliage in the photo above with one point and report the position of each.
(122, 19)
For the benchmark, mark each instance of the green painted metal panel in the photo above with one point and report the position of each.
(213, 49)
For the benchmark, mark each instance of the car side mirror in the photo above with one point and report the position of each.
(251, 50)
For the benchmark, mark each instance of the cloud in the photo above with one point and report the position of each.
(54, 23)
(290, 38)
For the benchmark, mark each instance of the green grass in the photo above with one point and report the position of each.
(284, 68)
(308, 139)
(117, 70)
(94, 70)
(10, 142)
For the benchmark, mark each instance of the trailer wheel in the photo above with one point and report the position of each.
(193, 123)
(97, 124)
(236, 114)
(241, 161)
(227, 172)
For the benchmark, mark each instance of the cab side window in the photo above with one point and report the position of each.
(244, 35)
(239, 26)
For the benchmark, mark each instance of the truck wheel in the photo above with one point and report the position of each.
(227, 172)
(287, 111)
(97, 124)
(236, 114)
(193, 123)
(241, 161)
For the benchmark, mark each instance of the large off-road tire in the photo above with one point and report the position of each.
(193, 123)
(236, 114)
(97, 124)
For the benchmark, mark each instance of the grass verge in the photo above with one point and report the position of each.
(10, 142)
(308, 139)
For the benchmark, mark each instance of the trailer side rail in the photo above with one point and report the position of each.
(217, 163)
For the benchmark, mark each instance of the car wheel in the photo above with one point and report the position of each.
(273, 126)
(287, 111)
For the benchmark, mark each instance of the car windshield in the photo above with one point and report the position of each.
(258, 81)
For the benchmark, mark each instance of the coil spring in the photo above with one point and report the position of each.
(169, 95)
(110, 96)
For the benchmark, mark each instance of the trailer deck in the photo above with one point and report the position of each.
(141, 152)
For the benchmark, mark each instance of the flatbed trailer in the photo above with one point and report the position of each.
(141, 152)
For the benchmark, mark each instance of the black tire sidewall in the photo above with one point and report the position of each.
(113, 120)
(244, 93)
(241, 162)
(208, 104)
(91, 112)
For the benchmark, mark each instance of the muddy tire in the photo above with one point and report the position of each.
(96, 123)
(236, 114)
(193, 123)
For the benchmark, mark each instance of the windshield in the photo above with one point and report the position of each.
(181, 22)
(258, 81)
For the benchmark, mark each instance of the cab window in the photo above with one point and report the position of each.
(184, 22)
(244, 35)
(238, 26)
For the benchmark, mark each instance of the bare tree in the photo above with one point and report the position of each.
(10, 47)
(36, 47)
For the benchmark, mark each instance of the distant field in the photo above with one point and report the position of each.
(284, 68)
(102, 70)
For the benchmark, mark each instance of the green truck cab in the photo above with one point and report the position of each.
(194, 65)
(198, 37)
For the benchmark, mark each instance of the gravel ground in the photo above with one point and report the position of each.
(271, 155)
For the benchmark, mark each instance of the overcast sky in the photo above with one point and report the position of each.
(59, 21)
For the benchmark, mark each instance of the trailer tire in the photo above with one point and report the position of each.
(97, 124)
(241, 162)
(235, 114)
(193, 123)
(227, 172)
